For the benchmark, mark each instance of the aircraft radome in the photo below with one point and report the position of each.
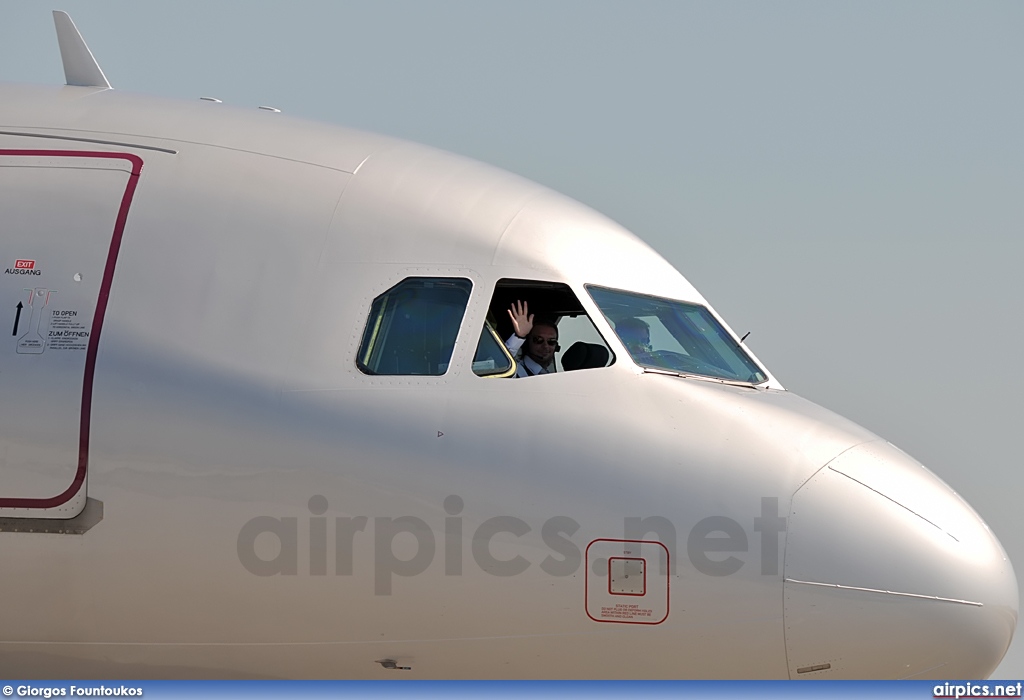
(258, 419)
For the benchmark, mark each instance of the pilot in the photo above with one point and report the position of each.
(537, 341)
(635, 335)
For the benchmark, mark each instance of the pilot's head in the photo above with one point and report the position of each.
(635, 335)
(542, 342)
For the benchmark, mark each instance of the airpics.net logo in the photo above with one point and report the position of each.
(23, 267)
(270, 546)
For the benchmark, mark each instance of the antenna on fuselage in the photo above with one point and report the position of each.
(80, 66)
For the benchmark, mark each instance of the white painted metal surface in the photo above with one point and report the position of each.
(268, 510)
(80, 66)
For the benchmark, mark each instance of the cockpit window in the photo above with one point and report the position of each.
(412, 327)
(492, 359)
(556, 320)
(675, 336)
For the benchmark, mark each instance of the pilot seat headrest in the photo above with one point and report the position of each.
(584, 356)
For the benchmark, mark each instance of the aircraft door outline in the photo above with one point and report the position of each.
(34, 344)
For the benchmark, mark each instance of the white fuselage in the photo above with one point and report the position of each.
(269, 510)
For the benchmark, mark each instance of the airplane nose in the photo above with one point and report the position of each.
(890, 574)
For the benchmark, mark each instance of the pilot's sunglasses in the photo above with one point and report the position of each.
(540, 341)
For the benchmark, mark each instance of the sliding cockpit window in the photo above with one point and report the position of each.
(556, 320)
(675, 336)
(412, 327)
(492, 358)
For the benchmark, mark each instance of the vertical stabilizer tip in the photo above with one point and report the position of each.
(80, 67)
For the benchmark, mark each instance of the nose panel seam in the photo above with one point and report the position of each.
(895, 593)
(909, 510)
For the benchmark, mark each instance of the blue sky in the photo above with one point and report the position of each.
(842, 180)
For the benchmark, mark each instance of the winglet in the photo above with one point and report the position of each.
(80, 67)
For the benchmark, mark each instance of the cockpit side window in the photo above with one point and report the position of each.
(492, 358)
(559, 322)
(412, 327)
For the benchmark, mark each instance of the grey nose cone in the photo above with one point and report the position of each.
(890, 574)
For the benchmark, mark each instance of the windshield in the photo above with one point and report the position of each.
(675, 336)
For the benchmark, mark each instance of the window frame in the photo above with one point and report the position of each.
(514, 366)
(377, 316)
(729, 338)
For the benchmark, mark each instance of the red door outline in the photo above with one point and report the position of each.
(97, 320)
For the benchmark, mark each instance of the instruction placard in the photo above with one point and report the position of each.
(68, 330)
(627, 581)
